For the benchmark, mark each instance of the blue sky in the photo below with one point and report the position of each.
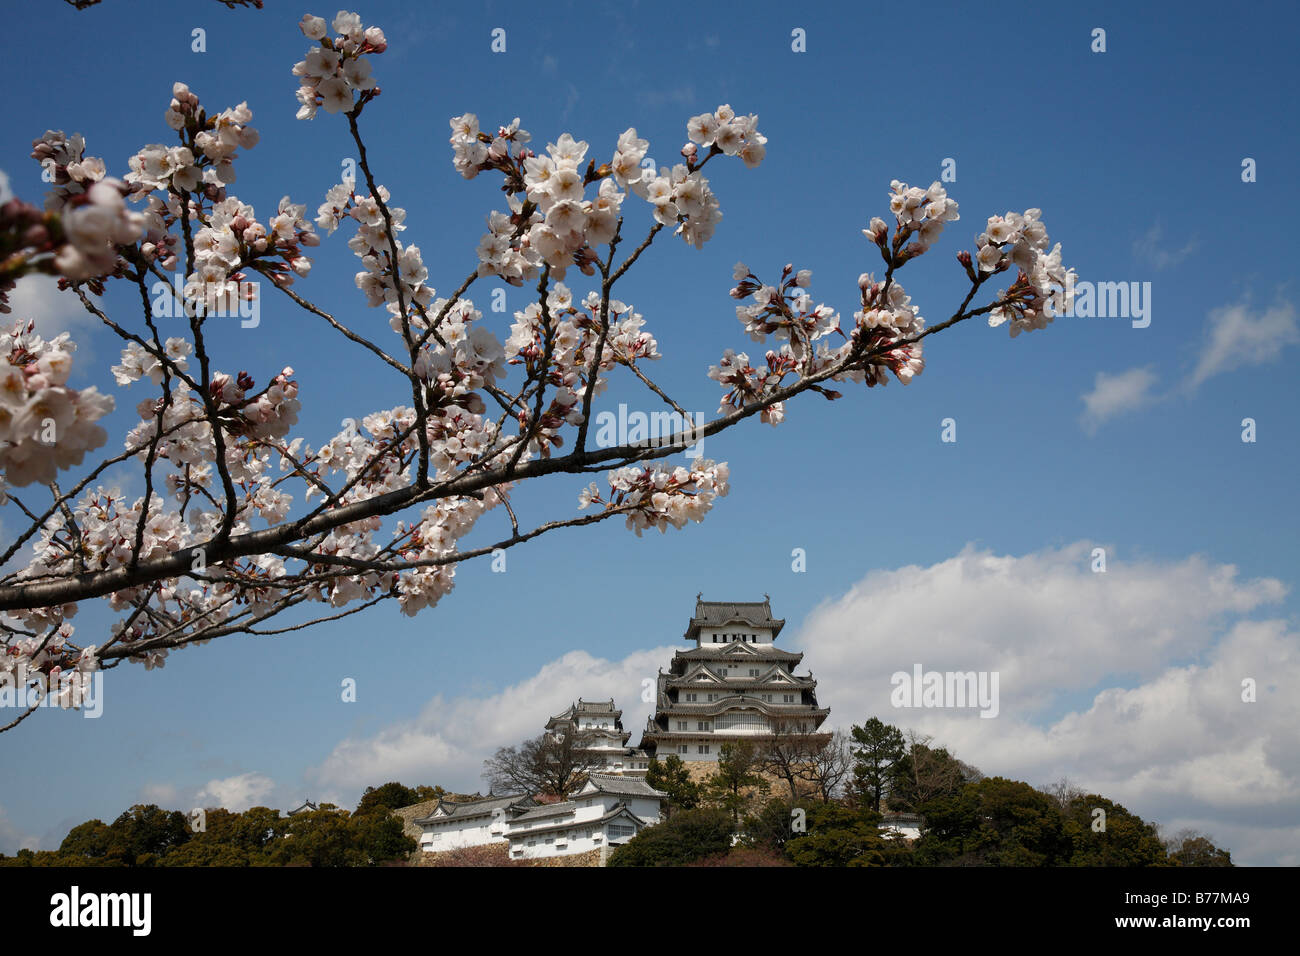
(1135, 157)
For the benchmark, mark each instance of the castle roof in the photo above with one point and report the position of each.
(599, 708)
(473, 808)
(624, 786)
(719, 613)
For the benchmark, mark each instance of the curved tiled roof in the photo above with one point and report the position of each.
(473, 808)
(718, 613)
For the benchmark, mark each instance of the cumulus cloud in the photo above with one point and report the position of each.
(450, 738)
(1114, 395)
(1237, 337)
(38, 297)
(236, 793)
(6, 191)
(1129, 682)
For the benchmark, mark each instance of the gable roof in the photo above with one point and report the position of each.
(545, 810)
(624, 786)
(718, 613)
(446, 810)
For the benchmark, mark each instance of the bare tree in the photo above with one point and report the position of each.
(925, 773)
(787, 752)
(829, 766)
(1062, 791)
(552, 764)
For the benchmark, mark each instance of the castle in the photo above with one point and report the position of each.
(734, 684)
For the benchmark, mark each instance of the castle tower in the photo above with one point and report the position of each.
(733, 684)
(597, 728)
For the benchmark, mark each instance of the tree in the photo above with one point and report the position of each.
(1191, 848)
(876, 747)
(737, 780)
(993, 822)
(672, 777)
(786, 754)
(687, 836)
(90, 843)
(828, 767)
(1063, 791)
(838, 836)
(377, 512)
(393, 795)
(1117, 838)
(924, 773)
(552, 764)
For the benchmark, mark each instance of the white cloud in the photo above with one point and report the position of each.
(236, 793)
(6, 191)
(1236, 337)
(449, 740)
(1114, 395)
(38, 297)
(1124, 681)
(1151, 250)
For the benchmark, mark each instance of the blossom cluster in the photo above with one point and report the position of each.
(51, 665)
(338, 68)
(1043, 285)
(45, 426)
(574, 337)
(921, 215)
(234, 239)
(724, 132)
(785, 310)
(658, 496)
(93, 219)
(551, 219)
(215, 139)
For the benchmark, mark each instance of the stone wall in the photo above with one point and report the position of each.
(498, 854)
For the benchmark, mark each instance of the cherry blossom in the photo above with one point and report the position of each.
(243, 516)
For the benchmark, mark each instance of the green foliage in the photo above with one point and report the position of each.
(672, 777)
(1196, 850)
(994, 822)
(737, 782)
(686, 836)
(876, 747)
(1127, 840)
(923, 774)
(838, 836)
(146, 835)
(393, 795)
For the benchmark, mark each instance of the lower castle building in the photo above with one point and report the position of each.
(597, 729)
